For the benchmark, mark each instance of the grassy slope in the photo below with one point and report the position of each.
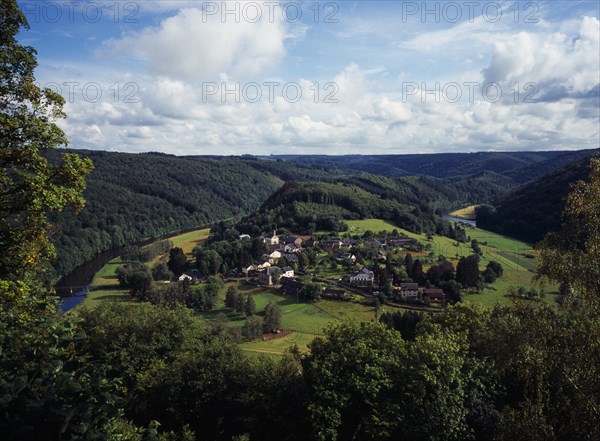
(304, 320)
(518, 269)
(105, 286)
(465, 213)
(188, 241)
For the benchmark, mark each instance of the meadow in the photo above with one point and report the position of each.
(517, 258)
(467, 213)
(303, 321)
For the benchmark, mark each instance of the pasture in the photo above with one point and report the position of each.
(517, 258)
(467, 213)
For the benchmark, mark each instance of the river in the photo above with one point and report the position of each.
(471, 223)
(74, 287)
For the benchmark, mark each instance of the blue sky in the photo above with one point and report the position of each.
(379, 77)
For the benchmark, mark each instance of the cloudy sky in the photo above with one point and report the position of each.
(378, 77)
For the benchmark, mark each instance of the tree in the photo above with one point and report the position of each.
(467, 271)
(452, 290)
(230, 297)
(32, 182)
(349, 374)
(45, 380)
(250, 306)
(253, 327)
(417, 272)
(160, 271)
(312, 292)
(408, 264)
(435, 274)
(496, 267)
(239, 304)
(140, 283)
(177, 261)
(272, 321)
(489, 275)
(571, 256)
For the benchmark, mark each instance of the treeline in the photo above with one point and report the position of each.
(517, 165)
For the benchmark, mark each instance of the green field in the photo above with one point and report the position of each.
(105, 286)
(303, 320)
(467, 213)
(517, 258)
(188, 241)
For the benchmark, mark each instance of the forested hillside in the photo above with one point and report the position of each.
(534, 209)
(135, 197)
(447, 165)
(313, 206)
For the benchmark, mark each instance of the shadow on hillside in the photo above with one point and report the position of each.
(109, 287)
(112, 298)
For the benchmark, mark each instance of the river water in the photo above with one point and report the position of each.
(472, 223)
(74, 287)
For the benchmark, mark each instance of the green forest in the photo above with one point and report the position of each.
(531, 211)
(135, 371)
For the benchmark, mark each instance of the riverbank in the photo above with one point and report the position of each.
(104, 284)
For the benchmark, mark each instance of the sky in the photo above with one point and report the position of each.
(319, 77)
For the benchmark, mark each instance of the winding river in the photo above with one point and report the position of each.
(472, 223)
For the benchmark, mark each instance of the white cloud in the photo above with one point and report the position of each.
(197, 47)
(560, 65)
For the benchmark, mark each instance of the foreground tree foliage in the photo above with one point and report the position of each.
(571, 256)
(48, 387)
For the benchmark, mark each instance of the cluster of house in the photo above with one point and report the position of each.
(284, 247)
(407, 292)
(290, 247)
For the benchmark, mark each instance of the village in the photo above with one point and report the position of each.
(358, 260)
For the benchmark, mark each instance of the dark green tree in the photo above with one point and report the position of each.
(312, 292)
(272, 318)
(249, 306)
(496, 267)
(239, 304)
(31, 185)
(177, 261)
(467, 271)
(408, 264)
(231, 296)
(253, 327)
(160, 271)
(46, 383)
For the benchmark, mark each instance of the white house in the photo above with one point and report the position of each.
(288, 272)
(274, 256)
(364, 277)
(409, 292)
(185, 277)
